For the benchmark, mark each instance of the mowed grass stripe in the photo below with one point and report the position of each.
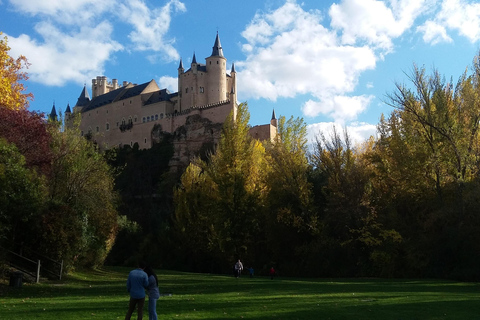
(101, 294)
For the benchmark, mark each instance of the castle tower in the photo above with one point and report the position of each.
(68, 117)
(233, 90)
(181, 70)
(274, 121)
(82, 101)
(216, 70)
(53, 114)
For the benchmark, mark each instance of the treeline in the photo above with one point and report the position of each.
(403, 204)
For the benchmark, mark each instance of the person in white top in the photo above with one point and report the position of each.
(238, 268)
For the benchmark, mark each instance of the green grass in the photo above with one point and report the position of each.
(101, 294)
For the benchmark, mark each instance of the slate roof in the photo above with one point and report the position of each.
(217, 48)
(115, 95)
(162, 95)
(84, 98)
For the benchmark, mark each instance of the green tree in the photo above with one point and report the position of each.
(22, 197)
(80, 189)
(233, 180)
(351, 218)
(291, 220)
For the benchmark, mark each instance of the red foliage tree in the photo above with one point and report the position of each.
(29, 132)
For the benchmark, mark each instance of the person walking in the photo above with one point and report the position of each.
(137, 282)
(153, 293)
(272, 273)
(238, 268)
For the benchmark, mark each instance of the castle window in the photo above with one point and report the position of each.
(81, 133)
(143, 119)
(217, 61)
(130, 101)
(130, 121)
(98, 129)
(131, 143)
(145, 140)
(107, 126)
(202, 89)
(161, 115)
(148, 118)
(210, 62)
(135, 119)
(107, 111)
(186, 90)
(156, 117)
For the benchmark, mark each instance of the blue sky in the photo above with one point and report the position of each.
(329, 62)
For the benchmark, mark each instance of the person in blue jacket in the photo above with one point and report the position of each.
(153, 293)
(137, 282)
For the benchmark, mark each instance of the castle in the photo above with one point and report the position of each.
(130, 114)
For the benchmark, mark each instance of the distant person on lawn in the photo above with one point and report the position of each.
(238, 268)
(153, 293)
(137, 282)
(272, 273)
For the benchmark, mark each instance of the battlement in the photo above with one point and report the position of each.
(100, 85)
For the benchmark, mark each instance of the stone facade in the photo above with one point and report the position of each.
(129, 114)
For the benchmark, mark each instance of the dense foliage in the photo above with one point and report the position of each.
(403, 204)
(56, 189)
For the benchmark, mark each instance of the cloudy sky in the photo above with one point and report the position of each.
(325, 61)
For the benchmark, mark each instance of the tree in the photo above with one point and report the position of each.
(29, 132)
(233, 179)
(80, 189)
(11, 77)
(291, 220)
(22, 198)
(351, 218)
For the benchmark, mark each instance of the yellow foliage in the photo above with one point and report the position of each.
(11, 77)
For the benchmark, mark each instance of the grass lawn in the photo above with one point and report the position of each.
(101, 294)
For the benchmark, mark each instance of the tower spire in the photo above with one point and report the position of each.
(217, 48)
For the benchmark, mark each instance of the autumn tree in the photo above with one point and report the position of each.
(81, 223)
(29, 132)
(291, 219)
(12, 89)
(233, 178)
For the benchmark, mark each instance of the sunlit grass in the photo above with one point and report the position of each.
(101, 294)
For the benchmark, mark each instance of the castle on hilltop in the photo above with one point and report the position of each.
(130, 114)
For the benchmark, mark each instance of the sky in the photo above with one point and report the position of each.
(328, 62)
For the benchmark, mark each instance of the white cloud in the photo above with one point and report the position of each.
(374, 21)
(170, 83)
(62, 57)
(290, 53)
(461, 16)
(434, 33)
(75, 38)
(79, 12)
(340, 108)
(151, 26)
(357, 132)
